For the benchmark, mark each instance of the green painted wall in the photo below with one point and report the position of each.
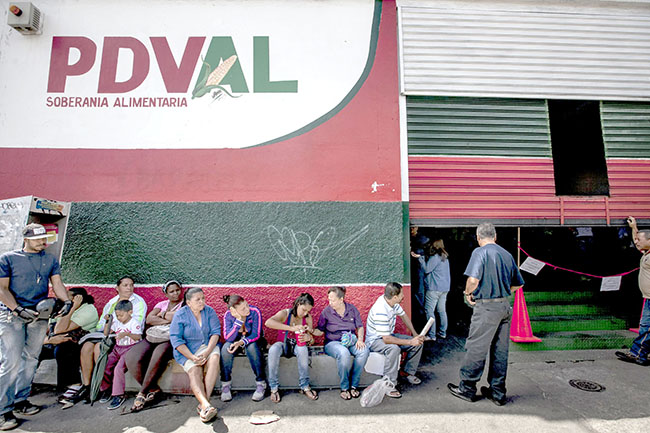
(235, 243)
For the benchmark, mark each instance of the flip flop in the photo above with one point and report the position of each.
(138, 403)
(309, 393)
(354, 392)
(394, 394)
(208, 414)
(275, 397)
(345, 394)
(152, 395)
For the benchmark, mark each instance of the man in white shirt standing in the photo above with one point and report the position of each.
(380, 336)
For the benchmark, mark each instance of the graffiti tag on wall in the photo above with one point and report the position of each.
(299, 250)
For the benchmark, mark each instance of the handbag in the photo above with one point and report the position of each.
(289, 344)
(157, 334)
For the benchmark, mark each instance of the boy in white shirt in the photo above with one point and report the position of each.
(128, 331)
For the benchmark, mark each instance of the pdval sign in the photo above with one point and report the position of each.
(219, 74)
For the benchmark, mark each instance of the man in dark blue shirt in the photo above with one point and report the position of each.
(24, 282)
(492, 275)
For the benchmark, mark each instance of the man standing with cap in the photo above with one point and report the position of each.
(492, 275)
(24, 280)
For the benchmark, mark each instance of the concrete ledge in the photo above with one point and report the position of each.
(322, 374)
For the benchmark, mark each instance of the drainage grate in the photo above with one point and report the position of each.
(585, 385)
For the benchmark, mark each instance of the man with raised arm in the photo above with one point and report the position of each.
(638, 353)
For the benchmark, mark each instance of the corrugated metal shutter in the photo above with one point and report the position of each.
(629, 186)
(448, 188)
(461, 190)
(477, 126)
(467, 52)
(626, 129)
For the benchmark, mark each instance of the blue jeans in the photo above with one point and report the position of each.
(349, 371)
(254, 355)
(489, 333)
(20, 346)
(302, 355)
(641, 345)
(435, 302)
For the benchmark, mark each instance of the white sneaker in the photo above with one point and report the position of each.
(260, 390)
(226, 395)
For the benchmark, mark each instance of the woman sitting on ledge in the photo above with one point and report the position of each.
(242, 329)
(125, 292)
(194, 334)
(148, 359)
(297, 325)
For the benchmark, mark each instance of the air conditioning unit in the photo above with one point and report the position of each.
(25, 18)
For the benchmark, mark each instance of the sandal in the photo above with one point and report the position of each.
(309, 393)
(394, 394)
(354, 392)
(345, 394)
(208, 414)
(152, 395)
(275, 397)
(138, 403)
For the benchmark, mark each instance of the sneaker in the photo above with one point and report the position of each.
(116, 402)
(487, 393)
(105, 396)
(26, 408)
(629, 357)
(8, 421)
(226, 395)
(260, 390)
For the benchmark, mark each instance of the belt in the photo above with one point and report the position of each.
(482, 301)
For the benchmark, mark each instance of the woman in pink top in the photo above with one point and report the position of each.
(146, 360)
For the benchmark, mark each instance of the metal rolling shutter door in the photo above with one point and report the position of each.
(530, 54)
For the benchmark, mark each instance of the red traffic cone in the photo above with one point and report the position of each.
(520, 330)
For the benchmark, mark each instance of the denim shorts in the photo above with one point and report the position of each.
(189, 363)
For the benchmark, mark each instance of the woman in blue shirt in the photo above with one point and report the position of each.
(194, 334)
(437, 282)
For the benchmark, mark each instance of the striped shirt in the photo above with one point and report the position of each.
(381, 319)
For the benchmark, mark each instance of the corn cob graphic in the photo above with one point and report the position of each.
(220, 71)
(212, 79)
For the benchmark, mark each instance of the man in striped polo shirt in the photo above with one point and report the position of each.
(380, 336)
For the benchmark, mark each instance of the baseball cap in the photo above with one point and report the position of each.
(34, 231)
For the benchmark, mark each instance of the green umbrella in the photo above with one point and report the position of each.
(105, 346)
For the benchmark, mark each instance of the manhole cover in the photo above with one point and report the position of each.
(585, 385)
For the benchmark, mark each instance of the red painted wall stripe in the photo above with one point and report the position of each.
(337, 161)
(518, 188)
(269, 300)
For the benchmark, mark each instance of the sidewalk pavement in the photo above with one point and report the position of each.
(540, 399)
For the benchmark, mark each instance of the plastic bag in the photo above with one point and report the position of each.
(374, 394)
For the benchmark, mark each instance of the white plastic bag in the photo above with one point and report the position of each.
(374, 394)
